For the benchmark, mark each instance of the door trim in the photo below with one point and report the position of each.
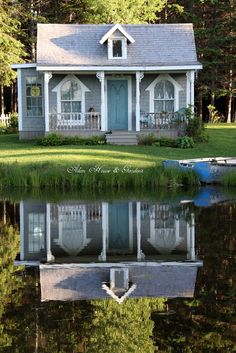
(129, 79)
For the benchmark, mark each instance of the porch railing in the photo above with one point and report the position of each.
(75, 121)
(152, 121)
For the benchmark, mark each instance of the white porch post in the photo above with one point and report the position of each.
(140, 254)
(22, 232)
(101, 77)
(192, 246)
(19, 94)
(192, 73)
(47, 77)
(139, 77)
(103, 255)
(188, 102)
(191, 239)
(50, 257)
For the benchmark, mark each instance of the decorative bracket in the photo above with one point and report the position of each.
(47, 76)
(100, 76)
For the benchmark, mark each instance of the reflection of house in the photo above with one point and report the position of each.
(80, 282)
(105, 232)
(112, 249)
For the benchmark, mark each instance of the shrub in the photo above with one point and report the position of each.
(214, 116)
(166, 142)
(13, 121)
(184, 142)
(54, 139)
(147, 140)
(195, 127)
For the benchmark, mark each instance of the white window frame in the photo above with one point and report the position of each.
(57, 89)
(123, 48)
(151, 88)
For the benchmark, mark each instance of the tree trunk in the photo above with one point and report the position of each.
(230, 96)
(2, 99)
(229, 108)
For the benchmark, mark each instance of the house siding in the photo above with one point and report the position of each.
(32, 127)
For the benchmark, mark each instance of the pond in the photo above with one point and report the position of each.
(119, 272)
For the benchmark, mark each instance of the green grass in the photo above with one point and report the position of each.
(27, 164)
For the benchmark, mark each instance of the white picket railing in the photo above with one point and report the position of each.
(5, 119)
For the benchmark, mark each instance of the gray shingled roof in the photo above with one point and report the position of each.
(155, 45)
(79, 283)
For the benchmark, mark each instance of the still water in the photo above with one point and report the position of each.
(118, 273)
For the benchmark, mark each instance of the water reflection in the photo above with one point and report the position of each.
(205, 323)
(106, 232)
(119, 249)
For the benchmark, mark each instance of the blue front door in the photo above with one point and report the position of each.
(117, 104)
(119, 227)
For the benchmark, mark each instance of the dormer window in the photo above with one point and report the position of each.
(117, 40)
(117, 48)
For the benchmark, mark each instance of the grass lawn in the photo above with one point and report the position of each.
(28, 155)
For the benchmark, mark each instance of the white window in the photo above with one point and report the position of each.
(164, 97)
(70, 95)
(117, 48)
(164, 94)
(36, 232)
(34, 101)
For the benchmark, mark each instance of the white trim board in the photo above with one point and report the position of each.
(129, 79)
(112, 30)
(118, 68)
(23, 66)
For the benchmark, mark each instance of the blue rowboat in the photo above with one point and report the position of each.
(209, 170)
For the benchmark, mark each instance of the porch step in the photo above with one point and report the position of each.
(122, 138)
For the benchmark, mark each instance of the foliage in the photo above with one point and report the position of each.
(54, 139)
(195, 127)
(111, 11)
(11, 49)
(9, 283)
(184, 142)
(147, 139)
(214, 116)
(123, 328)
(14, 120)
(167, 142)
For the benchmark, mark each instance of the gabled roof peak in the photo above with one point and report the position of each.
(112, 30)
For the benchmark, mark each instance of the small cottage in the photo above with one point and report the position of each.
(122, 79)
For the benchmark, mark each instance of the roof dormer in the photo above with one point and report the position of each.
(117, 39)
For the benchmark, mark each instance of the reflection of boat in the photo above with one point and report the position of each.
(209, 170)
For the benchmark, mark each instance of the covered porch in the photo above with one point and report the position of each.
(99, 102)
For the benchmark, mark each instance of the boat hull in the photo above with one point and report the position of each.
(209, 170)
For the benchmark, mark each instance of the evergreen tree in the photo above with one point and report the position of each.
(11, 49)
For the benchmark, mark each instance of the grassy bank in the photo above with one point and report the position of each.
(27, 165)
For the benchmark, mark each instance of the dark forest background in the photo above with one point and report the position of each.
(214, 24)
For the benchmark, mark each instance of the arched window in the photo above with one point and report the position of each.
(164, 94)
(164, 97)
(71, 97)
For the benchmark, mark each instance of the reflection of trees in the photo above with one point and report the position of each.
(122, 328)
(206, 324)
(9, 282)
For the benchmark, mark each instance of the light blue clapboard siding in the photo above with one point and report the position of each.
(36, 124)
